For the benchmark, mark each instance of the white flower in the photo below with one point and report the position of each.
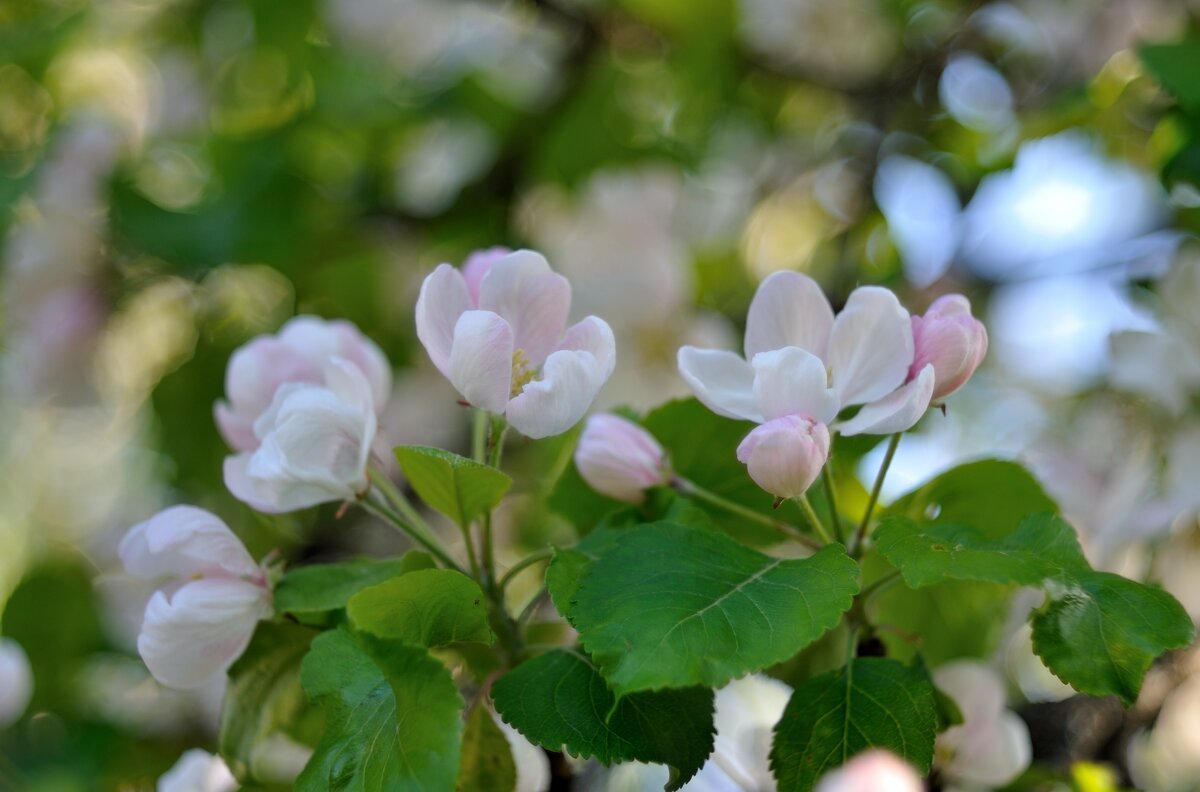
(509, 350)
(800, 360)
(314, 444)
(991, 746)
(16, 682)
(211, 594)
(299, 352)
(872, 771)
(198, 771)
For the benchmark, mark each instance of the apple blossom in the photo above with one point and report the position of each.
(16, 682)
(299, 352)
(785, 455)
(314, 442)
(509, 350)
(872, 771)
(211, 594)
(948, 338)
(991, 746)
(198, 771)
(801, 360)
(620, 459)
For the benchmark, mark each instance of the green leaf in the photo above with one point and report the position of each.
(393, 716)
(432, 607)
(1100, 632)
(559, 699)
(872, 702)
(1042, 547)
(487, 762)
(459, 488)
(1176, 67)
(325, 587)
(674, 606)
(263, 695)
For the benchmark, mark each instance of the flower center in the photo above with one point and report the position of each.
(522, 373)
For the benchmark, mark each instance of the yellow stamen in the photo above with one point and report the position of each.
(522, 373)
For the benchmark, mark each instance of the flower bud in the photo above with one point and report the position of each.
(619, 459)
(950, 339)
(873, 771)
(785, 456)
(16, 682)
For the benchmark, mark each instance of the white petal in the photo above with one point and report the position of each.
(870, 347)
(975, 687)
(592, 334)
(16, 682)
(556, 402)
(532, 298)
(236, 472)
(897, 412)
(721, 380)
(481, 362)
(443, 299)
(198, 633)
(789, 309)
(198, 771)
(183, 542)
(793, 381)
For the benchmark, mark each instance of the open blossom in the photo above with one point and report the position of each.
(498, 331)
(620, 459)
(211, 594)
(991, 746)
(16, 682)
(784, 456)
(198, 771)
(314, 442)
(873, 771)
(299, 352)
(801, 360)
(948, 338)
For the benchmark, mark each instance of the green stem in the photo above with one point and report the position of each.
(387, 515)
(531, 606)
(686, 487)
(811, 515)
(496, 447)
(879, 586)
(524, 563)
(479, 429)
(861, 535)
(831, 497)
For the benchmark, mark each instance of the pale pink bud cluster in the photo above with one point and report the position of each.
(948, 338)
(620, 459)
(497, 329)
(210, 595)
(785, 455)
(873, 771)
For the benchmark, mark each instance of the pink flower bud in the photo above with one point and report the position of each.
(873, 771)
(784, 456)
(477, 265)
(952, 340)
(619, 459)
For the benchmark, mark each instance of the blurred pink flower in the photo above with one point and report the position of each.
(618, 458)
(873, 771)
(991, 747)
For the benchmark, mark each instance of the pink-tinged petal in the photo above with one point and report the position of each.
(532, 298)
(789, 309)
(183, 542)
(556, 402)
(793, 381)
(721, 380)
(236, 472)
(991, 746)
(618, 458)
(481, 361)
(255, 372)
(870, 347)
(237, 428)
(353, 346)
(951, 340)
(198, 771)
(443, 299)
(592, 334)
(477, 265)
(899, 411)
(199, 632)
(872, 771)
(785, 456)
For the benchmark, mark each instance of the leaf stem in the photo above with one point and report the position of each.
(811, 515)
(879, 586)
(861, 535)
(479, 427)
(524, 563)
(686, 487)
(532, 606)
(381, 511)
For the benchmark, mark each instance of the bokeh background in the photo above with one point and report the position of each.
(181, 175)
